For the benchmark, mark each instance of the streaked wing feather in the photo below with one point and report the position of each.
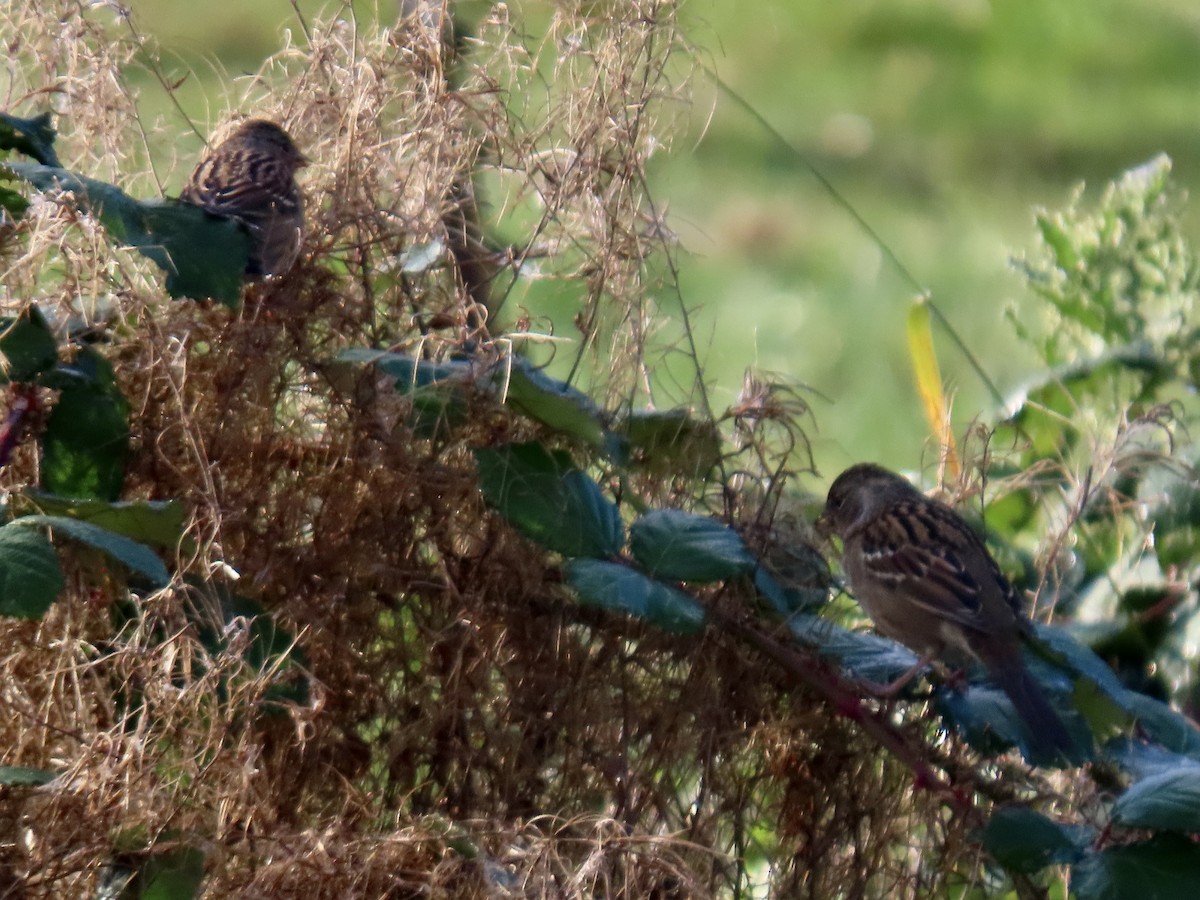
(930, 574)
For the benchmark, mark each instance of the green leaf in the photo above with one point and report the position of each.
(862, 654)
(271, 646)
(27, 346)
(681, 546)
(551, 502)
(23, 775)
(1142, 759)
(1058, 241)
(1042, 412)
(33, 137)
(555, 404)
(1146, 181)
(1173, 501)
(1097, 693)
(1163, 724)
(270, 642)
(137, 557)
(1163, 868)
(787, 598)
(671, 441)
(792, 576)
(616, 587)
(239, 630)
(30, 576)
(12, 203)
(86, 439)
(174, 874)
(1024, 840)
(987, 719)
(1168, 801)
(983, 716)
(409, 373)
(437, 389)
(158, 523)
(203, 255)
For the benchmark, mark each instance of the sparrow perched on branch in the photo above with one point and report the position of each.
(927, 580)
(251, 177)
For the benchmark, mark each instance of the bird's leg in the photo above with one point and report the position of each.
(893, 688)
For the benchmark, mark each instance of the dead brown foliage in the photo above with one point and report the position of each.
(469, 732)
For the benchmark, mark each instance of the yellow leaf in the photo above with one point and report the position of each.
(929, 380)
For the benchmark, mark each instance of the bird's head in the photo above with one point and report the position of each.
(858, 494)
(261, 134)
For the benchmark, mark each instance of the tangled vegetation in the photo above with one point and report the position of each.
(325, 587)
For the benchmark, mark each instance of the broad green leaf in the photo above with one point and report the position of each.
(271, 647)
(1099, 694)
(1142, 759)
(1163, 868)
(203, 255)
(787, 599)
(792, 577)
(174, 874)
(437, 389)
(1073, 680)
(24, 775)
(987, 719)
(1168, 801)
(30, 576)
(270, 642)
(553, 403)
(27, 347)
(137, 557)
(862, 654)
(671, 441)
(680, 546)
(1163, 724)
(549, 500)
(1135, 635)
(1042, 412)
(1024, 840)
(12, 204)
(774, 593)
(984, 717)
(86, 439)
(1173, 501)
(158, 523)
(619, 588)
(409, 373)
(33, 137)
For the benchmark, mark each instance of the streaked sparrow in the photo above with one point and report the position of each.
(927, 580)
(251, 177)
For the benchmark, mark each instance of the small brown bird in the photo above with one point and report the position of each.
(927, 580)
(251, 177)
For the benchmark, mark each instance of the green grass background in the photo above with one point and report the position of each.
(944, 123)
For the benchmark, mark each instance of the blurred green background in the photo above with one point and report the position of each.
(944, 123)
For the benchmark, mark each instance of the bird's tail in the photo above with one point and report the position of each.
(1048, 737)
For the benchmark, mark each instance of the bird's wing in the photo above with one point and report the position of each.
(263, 188)
(925, 553)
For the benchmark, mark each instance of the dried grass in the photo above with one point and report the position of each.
(459, 703)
